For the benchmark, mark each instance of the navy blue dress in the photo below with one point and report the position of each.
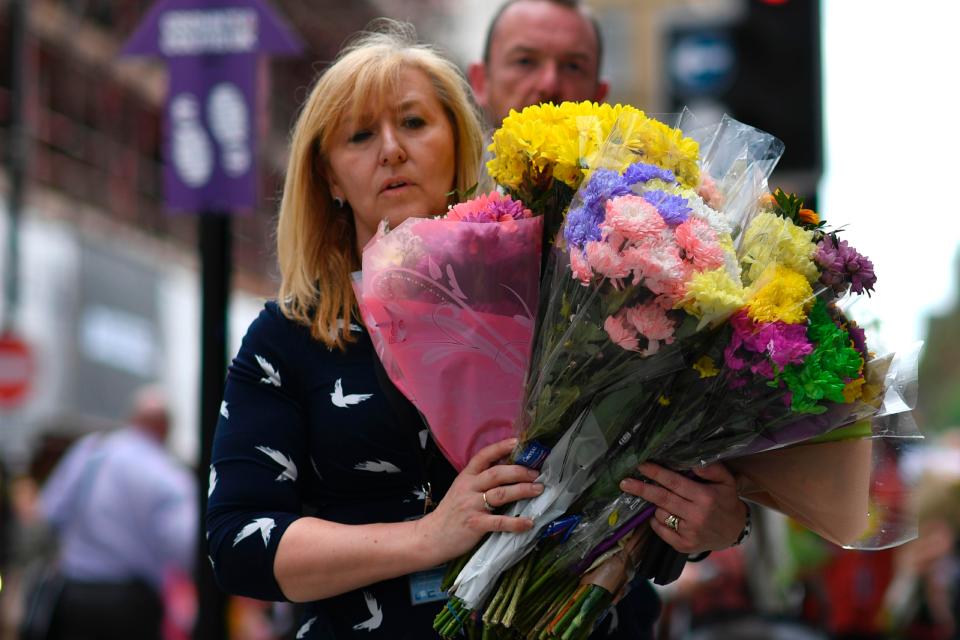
(307, 430)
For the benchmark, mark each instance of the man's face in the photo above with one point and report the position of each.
(539, 52)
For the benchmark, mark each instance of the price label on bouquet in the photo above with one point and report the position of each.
(211, 48)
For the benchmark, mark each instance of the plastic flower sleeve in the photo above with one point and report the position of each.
(450, 308)
(565, 473)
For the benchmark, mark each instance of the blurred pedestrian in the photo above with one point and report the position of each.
(125, 515)
(538, 51)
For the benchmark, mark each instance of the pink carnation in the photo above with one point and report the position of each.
(652, 322)
(621, 334)
(633, 217)
(699, 242)
(606, 260)
(659, 266)
(707, 189)
(490, 207)
(579, 267)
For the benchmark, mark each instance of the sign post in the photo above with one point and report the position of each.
(212, 49)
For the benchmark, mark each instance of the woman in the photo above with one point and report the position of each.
(323, 479)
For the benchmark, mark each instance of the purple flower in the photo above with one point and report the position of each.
(587, 213)
(841, 265)
(583, 219)
(859, 338)
(673, 209)
(643, 172)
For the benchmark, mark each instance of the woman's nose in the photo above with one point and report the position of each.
(391, 151)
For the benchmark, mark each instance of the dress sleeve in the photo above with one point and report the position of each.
(259, 456)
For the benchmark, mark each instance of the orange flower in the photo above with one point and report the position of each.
(809, 216)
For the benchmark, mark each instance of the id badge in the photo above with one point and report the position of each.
(425, 585)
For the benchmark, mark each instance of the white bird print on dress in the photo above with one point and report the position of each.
(273, 376)
(381, 466)
(316, 469)
(376, 614)
(263, 525)
(212, 483)
(340, 400)
(289, 468)
(223, 409)
(302, 631)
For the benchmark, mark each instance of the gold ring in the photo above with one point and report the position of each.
(487, 505)
(673, 522)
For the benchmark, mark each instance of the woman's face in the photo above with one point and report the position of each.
(396, 163)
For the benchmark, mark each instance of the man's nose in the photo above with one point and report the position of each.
(391, 149)
(548, 80)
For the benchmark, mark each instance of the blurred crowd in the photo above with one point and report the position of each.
(784, 582)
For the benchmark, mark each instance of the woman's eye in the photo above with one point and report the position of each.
(360, 136)
(414, 122)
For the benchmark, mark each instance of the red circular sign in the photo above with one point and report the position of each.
(16, 370)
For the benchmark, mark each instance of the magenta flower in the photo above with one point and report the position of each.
(491, 207)
(764, 346)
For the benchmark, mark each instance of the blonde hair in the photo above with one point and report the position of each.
(316, 241)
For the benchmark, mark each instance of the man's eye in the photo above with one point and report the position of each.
(575, 67)
(524, 62)
(360, 136)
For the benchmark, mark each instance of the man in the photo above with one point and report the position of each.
(125, 515)
(538, 51)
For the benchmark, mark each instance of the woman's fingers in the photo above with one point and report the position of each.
(507, 523)
(660, 496)
(716, 473)
(489, 455)
(505, 494)
(502, 474)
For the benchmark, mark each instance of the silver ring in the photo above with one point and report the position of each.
(487, 505)
(673, 522)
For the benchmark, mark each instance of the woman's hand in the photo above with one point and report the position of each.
(711, 515)
(462, 517)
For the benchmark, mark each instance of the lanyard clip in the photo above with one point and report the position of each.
(428, 503)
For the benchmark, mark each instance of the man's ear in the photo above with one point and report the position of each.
(477, 74)
(603, 88)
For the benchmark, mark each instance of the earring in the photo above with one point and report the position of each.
(339, 202)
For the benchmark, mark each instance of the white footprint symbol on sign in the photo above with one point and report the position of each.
(230, 124)
(192, 152)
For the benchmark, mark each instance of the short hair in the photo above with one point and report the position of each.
(576, 5)
(316, 241)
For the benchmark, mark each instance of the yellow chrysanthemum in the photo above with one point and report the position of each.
(780, 294)
(706, 367)
(713, 295)
(853, 390)
(769, 239)
(565, 141)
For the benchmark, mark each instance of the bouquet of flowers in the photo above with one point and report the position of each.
(450, 303)
(673, 331)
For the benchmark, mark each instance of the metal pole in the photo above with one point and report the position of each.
(16, 162)
(215, 263)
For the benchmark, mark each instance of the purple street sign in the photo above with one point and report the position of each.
(212, 48)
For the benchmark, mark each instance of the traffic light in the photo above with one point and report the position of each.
(762, 66)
